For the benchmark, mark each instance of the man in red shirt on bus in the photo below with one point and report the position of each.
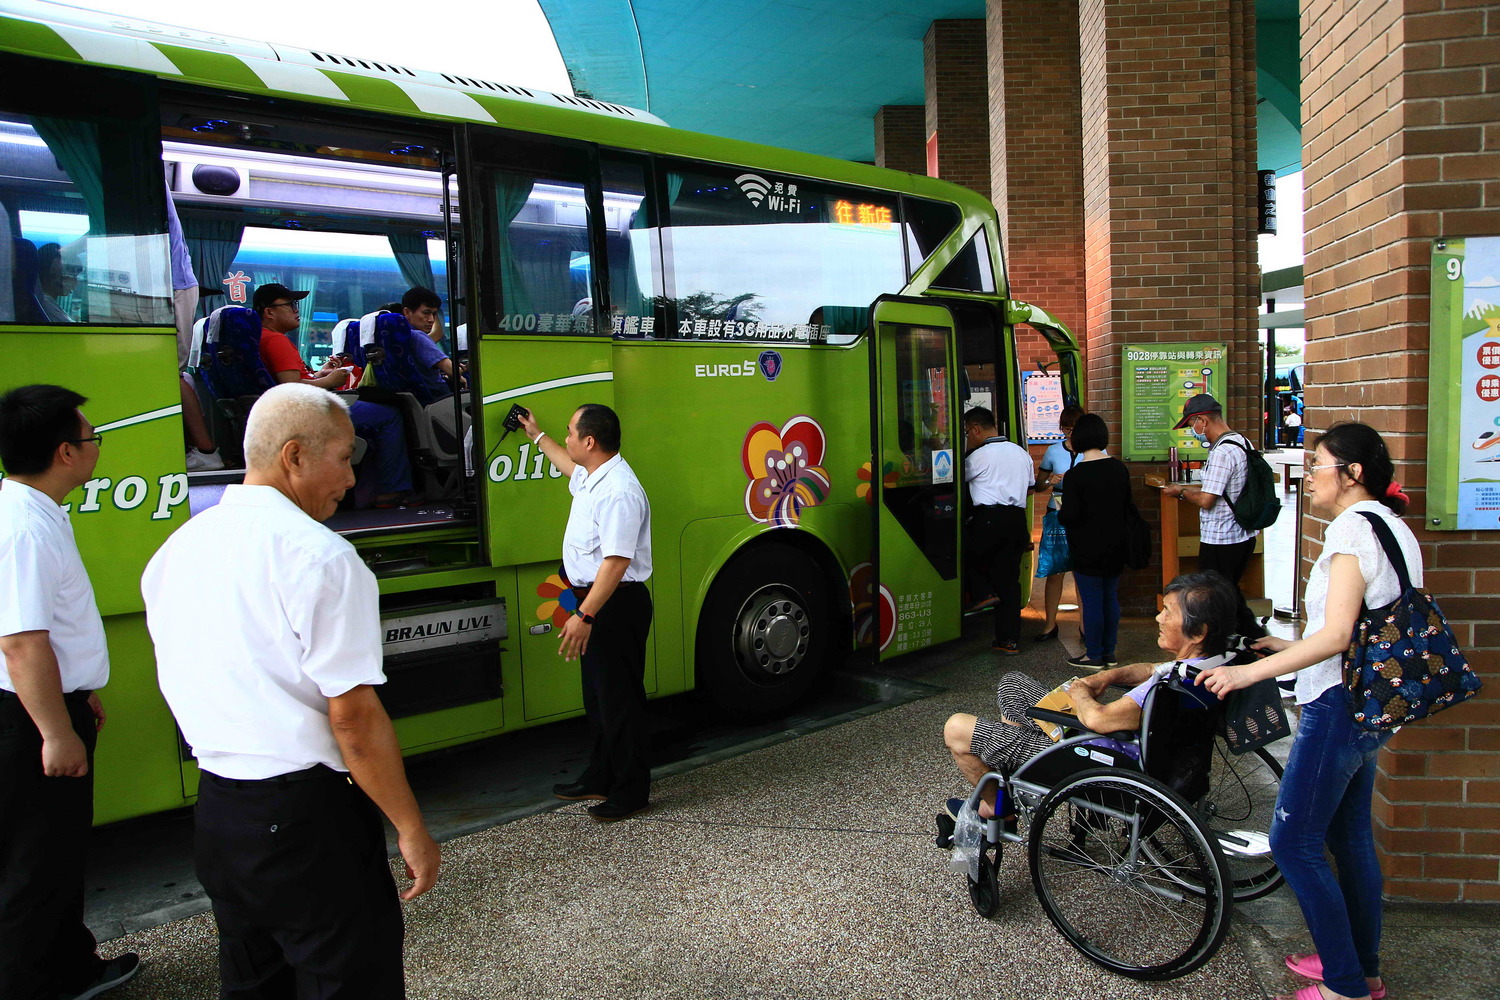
(280, 313)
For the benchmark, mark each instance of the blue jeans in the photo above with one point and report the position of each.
(382, 427)
(1325, 799)
(1100, 598)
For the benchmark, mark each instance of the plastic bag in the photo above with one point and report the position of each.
(968, 834)
(1052, 555)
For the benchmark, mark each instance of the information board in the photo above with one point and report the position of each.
(1463, 386)
(1043, 394)
(1158, 379)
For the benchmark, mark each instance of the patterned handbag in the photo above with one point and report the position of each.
(1403, 663)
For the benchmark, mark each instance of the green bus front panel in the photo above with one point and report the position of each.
(917, 439)
(138, 495)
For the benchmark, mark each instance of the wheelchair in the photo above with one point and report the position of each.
(1136, 862)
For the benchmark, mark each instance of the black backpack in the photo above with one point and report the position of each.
(1258, 505)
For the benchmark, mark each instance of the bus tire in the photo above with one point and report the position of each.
(765, 630)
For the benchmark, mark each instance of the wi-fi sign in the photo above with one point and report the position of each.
(755, 187)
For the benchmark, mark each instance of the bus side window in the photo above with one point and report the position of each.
(632, 245)
(542, 255)
(81, 197)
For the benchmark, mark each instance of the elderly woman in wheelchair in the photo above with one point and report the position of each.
(1141, 829)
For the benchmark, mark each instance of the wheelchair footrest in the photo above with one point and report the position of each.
(1244, 843)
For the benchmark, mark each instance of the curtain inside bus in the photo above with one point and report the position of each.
(511, 194)
(411, 257)
(213, 244)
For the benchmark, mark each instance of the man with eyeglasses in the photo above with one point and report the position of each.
(280, 313)
(1224, 546)
(53, 660)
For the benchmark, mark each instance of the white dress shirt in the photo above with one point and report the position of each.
(610, 517)
(44, 588)
(260, 615)
(998, 472)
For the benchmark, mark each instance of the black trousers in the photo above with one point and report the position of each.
(1229, 561)
(301, 889)
(614, 696)
(45, 948)
(996, 539)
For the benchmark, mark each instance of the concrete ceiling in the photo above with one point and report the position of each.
(810, 74)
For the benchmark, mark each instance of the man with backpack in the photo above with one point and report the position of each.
(1235, 473)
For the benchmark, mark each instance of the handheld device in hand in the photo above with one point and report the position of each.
(512, 421)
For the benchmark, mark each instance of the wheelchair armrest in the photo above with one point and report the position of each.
(1069, 721)
(1065, 719)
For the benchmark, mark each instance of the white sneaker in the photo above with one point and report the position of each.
(198, 461)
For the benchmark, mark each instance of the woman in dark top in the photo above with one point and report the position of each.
(1096, 494)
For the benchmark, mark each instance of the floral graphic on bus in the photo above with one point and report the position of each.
(889, 615)
(862, 603)
(785, 470)
(561, 601)
(889, 478)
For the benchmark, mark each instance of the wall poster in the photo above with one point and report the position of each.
(1158, 379)
(1463, 386)
(1043, 394)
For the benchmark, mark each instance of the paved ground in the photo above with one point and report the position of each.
(804, 869)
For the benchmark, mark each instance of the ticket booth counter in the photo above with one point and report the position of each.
(1179, 548)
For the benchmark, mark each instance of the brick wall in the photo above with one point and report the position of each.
(957, 87)
(1168, 99)
(1036, 139)
(1401, 144)
(901, 137)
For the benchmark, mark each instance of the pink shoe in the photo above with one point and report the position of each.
(1311, 967)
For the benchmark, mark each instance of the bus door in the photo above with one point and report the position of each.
(541, 332)
(1064, 345)
(917, 438)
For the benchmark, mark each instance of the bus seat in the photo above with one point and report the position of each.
(400, 369)
(229, 364)
(26, 292)
(7, 268)
(345, 337)
(429, 412)
(230, 361)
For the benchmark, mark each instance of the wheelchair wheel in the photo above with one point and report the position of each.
(985, 893)
(1241, 799)
(1138, 910)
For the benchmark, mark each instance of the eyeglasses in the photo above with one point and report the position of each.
(98, 440)
(277, 305)
(1310, 469)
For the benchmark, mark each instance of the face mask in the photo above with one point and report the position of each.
(1202, 438)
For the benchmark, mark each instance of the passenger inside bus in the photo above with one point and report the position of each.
(424, 311)
(280, 312)
(57, 282)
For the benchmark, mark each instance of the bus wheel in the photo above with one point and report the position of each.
(764, 633)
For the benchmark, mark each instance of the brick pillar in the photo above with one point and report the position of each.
(901, 137)
(1169, 163)
(958, 101)
(1036, 146)
(1401, 142)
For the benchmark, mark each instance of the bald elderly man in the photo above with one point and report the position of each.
(298, 757)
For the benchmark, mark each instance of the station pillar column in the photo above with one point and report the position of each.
(958, 117)
(1036, 161)
(1401, 147)
(1169, 201)
(901, 137)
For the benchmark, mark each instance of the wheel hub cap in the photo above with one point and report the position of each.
(773, 633)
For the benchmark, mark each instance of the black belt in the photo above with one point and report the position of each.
(317, 771)
(996, 506)
(582, 592)
(72, 696)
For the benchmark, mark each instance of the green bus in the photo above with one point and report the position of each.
(789, 341)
